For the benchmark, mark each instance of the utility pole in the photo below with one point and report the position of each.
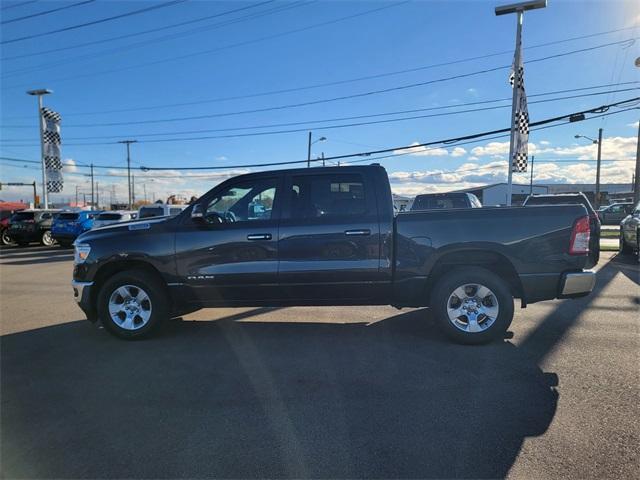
(128, 143)
(144, 185)
(97, 205)
(636, 180)
(533, 157)
(309, 151)
(92, 197)
(597, 199)
(39, 93)
(518, 9)
(133, 188)
(35, 195)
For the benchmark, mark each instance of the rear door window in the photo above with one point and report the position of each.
(148, 212)
(22, 216)
(335, 195)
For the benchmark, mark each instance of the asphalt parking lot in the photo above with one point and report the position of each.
(316, 392)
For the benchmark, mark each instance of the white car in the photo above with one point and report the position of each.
(116, 216)
(160, 210)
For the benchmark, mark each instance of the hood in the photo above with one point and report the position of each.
(123, 228)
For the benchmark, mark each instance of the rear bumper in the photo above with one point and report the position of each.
(65, 237)
(82, 296)
(577, 284)
(25, 235)
(547, 286)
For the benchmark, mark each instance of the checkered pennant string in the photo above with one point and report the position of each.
(520, 120)
(51, 143)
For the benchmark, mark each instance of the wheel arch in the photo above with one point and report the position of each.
(492, 261)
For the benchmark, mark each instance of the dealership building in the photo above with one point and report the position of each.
(496, 194)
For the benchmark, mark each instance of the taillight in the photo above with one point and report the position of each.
(580, 236)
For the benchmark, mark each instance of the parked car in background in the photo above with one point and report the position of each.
(328, 236)
(32, 225)
(7, 209)
(573, 199)
(68, 225)
(614, 213)
(116, 216)
(160, 210)
(435, 201)
(630, 233)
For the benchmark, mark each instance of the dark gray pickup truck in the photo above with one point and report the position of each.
(328, 236)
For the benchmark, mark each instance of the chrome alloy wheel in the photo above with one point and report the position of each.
(472, 308)
(130, 307)
(47, 239)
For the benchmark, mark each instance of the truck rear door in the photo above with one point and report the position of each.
(329, 240)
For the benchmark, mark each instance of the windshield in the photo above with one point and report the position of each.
(109, 216)
(21, 216)
(68, 216)
(147, 212)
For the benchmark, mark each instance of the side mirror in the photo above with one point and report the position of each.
(197, 212)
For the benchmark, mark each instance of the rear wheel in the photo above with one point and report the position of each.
(132, 304)
(46, 239)
(472, 305)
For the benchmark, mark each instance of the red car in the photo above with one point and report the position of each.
(6, 210)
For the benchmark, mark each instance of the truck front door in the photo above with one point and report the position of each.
(329, 240)
(231, 255)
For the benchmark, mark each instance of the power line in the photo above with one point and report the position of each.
(254, 127)
(247, 42)
(411, 148)
(46, 12)
(21, 4)
(129, 47)
(94, 22)
(134, 34)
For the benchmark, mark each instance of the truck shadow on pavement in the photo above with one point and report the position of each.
(34, 255)
(241, 399)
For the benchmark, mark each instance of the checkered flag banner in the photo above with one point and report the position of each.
(520, 120)
(52, 141)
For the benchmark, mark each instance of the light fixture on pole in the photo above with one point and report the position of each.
(309, 143)
(596, 200)
(39, 93)
(518, 108)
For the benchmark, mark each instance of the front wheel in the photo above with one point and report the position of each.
(472, 305)
(132, 304)
(5, 239)
(47, 240)
(624, 247)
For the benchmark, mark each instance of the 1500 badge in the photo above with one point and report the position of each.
(200, 277)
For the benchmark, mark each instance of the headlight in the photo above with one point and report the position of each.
(81, 252)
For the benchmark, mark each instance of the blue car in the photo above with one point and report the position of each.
(67, 226)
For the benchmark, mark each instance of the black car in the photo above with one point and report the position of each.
(328, 236)
(29, 226)
(574, 199)
(630, 233)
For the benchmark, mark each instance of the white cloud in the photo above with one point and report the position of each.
(423, 151)
(633, 125)
(472, 92)
(545, 142)
(69, 165)
(458, 152)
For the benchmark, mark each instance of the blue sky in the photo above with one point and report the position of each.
(256, 52)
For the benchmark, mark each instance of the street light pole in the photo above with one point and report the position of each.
(39, 93)
(597, 199)
(92, 198)
(636, 183)
(518, 9)
(128, 143)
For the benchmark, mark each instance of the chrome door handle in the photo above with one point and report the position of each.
(259, 236)
(361, 233)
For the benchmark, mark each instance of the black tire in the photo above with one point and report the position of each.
(23, 244)
(624, 248)
(46, 239)
(150, 285)
(460, 277)
(5, 238)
